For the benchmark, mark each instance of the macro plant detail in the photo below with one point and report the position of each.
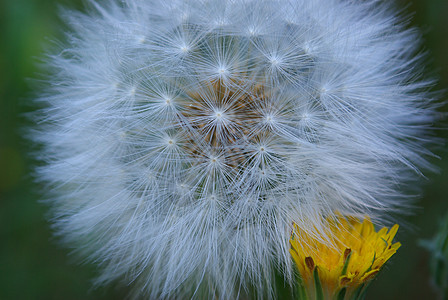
(182, 139)
(344, 269)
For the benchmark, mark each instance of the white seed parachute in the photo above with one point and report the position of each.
(182, 139)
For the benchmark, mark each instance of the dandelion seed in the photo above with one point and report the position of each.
(183, 138)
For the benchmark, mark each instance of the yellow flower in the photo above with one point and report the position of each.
(341, 262)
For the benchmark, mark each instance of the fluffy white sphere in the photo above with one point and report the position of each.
(182, 139)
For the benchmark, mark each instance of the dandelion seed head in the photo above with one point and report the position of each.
(183, 139)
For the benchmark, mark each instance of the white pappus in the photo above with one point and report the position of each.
(182, 139)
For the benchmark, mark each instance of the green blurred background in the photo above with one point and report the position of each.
(33, 266)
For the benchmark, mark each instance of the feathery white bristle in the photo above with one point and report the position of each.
(184, 138)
